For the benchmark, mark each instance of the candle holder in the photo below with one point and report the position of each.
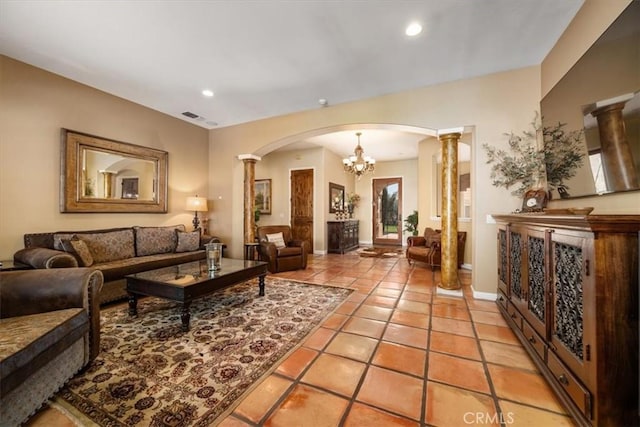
(214, 256)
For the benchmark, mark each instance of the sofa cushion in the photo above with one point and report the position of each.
(277, 239)
(156, 240)
(116, 270)
(79, 249)
(187, 240)
(28, 342)
(104, 246)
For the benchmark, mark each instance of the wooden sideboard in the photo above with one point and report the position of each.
(568, 288)
(343, 236)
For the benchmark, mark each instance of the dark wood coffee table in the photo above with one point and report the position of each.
(185, 282)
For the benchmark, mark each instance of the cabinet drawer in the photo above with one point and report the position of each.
(515, 315)
(574, 388)
(535, 340)
(502, 300)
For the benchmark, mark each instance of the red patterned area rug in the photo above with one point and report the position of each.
(150, 373)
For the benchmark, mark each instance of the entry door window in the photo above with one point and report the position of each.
(387, 215)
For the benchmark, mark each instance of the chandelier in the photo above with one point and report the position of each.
(359, 164)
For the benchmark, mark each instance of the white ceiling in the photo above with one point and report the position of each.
(273, 57)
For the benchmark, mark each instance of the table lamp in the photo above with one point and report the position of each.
(196, 204)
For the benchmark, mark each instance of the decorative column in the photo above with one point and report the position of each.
(617, 160)
(108, 183)
(249, 196)
(449, 239)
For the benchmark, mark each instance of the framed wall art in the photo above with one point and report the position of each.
(263, 196)
(336, 197)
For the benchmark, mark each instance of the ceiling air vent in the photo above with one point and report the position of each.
(190, 115)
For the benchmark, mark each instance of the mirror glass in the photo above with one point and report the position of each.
(336, 197)
(600, 95)
(102, 175)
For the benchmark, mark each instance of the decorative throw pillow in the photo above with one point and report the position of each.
(156, 240)
(79, 249)
(188, 240)
(277, 239)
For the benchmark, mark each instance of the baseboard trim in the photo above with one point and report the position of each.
(488, 296)
(449, 293)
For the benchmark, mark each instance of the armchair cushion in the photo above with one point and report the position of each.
(277, 239)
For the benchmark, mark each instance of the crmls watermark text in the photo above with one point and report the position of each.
(487, 418)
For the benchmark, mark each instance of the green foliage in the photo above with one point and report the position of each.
(527, 166)
(411, 223)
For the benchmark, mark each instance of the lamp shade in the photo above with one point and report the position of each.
(197, 204)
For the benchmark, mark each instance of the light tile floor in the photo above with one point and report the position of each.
(396, 354)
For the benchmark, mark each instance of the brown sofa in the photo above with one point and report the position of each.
(116, 252)
(427, 248)
(50, 330)
(289, 255)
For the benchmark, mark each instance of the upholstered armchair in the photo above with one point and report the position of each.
(427, 248)
(280, 250)
(50, 330)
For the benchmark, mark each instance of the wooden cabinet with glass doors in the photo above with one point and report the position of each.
(568, 288)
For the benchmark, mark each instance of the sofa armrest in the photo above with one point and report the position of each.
(27, 292)
(45, 258)
(416, 241)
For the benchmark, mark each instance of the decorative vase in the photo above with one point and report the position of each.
(350, 209)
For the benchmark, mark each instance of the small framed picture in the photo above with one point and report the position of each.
(263, 196)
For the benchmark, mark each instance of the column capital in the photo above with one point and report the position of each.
(451, 132)
(245, 157)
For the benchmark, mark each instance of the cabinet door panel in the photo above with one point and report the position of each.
(503, 269)
(573, 307)
(517, 256)
(536, 288)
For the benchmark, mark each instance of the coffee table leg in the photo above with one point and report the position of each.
(133, 304)
(261, 285)
(186, 316)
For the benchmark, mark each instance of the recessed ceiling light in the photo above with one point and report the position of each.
(208, 93)
(413, 29)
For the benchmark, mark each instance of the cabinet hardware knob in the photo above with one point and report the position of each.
(501, 299)
(513, 315)
(563, 380)
(532, 339)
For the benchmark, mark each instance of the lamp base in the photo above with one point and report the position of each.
(196, 222)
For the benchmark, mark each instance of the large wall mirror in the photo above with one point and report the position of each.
(103, 175)
(600, 95)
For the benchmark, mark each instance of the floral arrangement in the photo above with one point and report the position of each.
(557, 160)
(353, 199)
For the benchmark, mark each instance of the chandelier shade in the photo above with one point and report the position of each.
(359, 164)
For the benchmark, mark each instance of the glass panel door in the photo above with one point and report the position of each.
(387, 211)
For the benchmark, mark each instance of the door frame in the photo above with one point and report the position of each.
(315, 201)
(374, 206)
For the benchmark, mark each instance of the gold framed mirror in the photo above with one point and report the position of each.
(104, 175)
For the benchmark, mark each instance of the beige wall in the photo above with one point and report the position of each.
(593, 18)
(493, 104)
(405, 169)
(34, 106)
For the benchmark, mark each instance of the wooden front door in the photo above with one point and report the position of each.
(302, 205)
(387, 211)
